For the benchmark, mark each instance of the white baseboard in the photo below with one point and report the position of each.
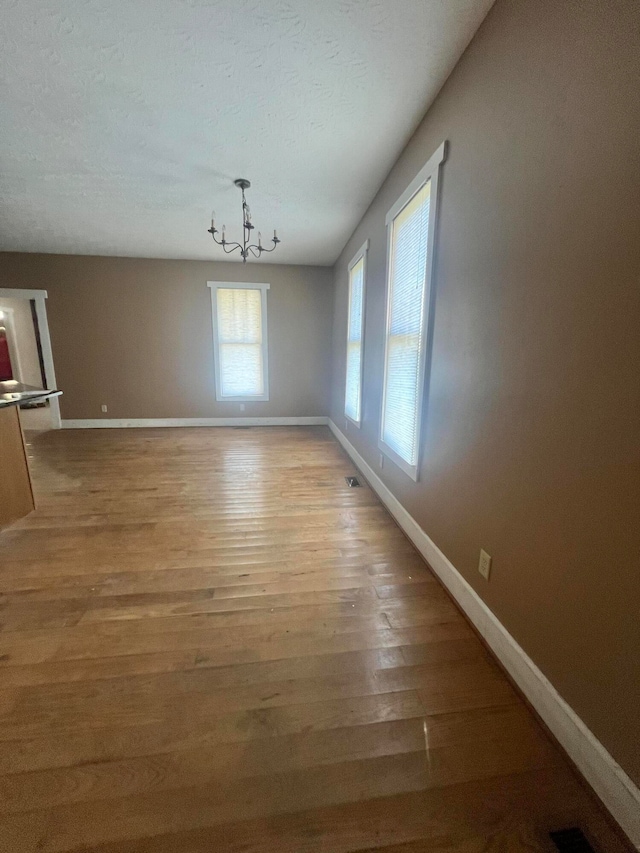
(129, 423)
(614, 787)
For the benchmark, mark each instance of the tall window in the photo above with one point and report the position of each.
(355, 335)
(411, 229)
(240, 340)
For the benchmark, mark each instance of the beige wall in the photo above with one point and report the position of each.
(136, 334)
(532, 440)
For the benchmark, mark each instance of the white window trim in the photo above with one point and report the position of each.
(214, 286)
(430, 171)
(360, 254)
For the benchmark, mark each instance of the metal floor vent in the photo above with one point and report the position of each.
(352, 482)
(571, 840)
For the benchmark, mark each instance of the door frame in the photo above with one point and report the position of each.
(40, 297)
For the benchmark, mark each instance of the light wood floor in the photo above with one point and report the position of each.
(209, 643)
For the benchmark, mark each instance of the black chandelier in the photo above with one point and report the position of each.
(256, 249)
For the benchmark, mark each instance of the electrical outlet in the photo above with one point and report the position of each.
(242, 407)
(103, 407)
(381, 460)
(484, 566)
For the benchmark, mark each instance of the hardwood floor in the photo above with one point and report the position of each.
(210, 643)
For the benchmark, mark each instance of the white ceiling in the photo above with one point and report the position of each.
(124, 122)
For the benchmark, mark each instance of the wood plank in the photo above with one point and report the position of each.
(515, 745)
(175, 732)
(209, 642)
(449, 819)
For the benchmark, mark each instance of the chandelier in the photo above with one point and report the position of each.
(246, 248)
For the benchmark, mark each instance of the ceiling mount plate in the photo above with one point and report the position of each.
(243, 183)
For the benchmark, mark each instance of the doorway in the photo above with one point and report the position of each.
(25, 353)
(8, 357)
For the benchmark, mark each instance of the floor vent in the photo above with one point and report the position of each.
(352, 482)
(571, 840)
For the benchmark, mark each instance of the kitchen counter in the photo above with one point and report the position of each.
(14, 393)
(16, 493)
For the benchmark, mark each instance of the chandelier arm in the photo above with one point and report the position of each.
(232, 246)
(262, 248)
(225, 243)
(229, 247)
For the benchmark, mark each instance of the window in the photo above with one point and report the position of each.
(240, 340)
(411, 229)
(355, 334)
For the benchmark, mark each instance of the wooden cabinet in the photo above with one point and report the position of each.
(16, 496)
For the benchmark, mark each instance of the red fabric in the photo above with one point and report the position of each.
(6, 372)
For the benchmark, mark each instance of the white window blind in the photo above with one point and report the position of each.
(411, 233)
(405, 331)
(240, 342)
(355, 333)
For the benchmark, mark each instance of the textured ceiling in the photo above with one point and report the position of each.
(124, 122)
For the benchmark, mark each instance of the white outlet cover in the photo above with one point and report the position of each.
(484, 565)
